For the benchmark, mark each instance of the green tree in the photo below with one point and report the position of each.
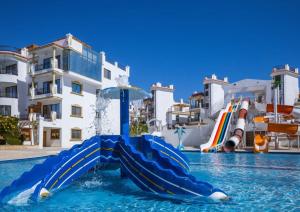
(9, 130)
(137, 128)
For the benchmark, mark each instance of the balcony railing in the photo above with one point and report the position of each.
(43, 66)
(11, 72)
(48, 116)
(195, 106)
(41, 91)
(8, 95)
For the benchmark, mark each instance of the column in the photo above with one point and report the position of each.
(124, 112)
(32, 90)
(40, 135)
(53, 87)
(54, 58)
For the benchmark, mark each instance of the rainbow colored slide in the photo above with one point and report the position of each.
(220, 130)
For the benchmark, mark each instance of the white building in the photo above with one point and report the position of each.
(163, 99)
(214, 94)
(13, 77)
(59, 91)
(287, 78)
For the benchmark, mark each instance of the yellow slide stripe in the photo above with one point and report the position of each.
(181, 164)
(141, 174)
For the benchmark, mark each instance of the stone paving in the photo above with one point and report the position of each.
(23, 152)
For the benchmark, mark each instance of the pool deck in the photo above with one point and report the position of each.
(250, 150)
(25, 152)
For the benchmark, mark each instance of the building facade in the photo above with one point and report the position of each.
(58, 88)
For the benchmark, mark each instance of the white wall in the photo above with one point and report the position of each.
(111, 119)
(216, 94)
(22, 87)
(13, 102)
(193, 136)
(88, 103)
(163, 100)
(291, 89)
(52, 142)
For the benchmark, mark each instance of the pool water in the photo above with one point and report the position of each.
(255, 182)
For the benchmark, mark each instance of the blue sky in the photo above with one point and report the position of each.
(173, 42)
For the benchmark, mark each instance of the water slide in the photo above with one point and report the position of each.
(238, 133)
(220, 130)
(282, 109)
(263, 123)
(261, 143)
(151, 163)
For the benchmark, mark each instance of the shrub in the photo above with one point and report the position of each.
(138, 128)
(9, 130)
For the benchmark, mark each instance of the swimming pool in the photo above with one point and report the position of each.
(255, 182)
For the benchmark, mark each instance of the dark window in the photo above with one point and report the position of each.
(46, 87)
(5, 110)
(206, 93)
(107, 74)
(58, 61)
(12, 69)
(206, 86)
(48, 108)
(47, 63)
(55, 134)
(26, 134)
(11, 92)
(76, 134)
(76, 88)
(76, 111)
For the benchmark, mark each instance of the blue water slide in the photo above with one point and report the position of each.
(95, 151)
(29, 179)
(59, 171)
(151, 163)
(152, 172)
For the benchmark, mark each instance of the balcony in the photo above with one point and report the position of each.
(45, 68)
(42, 93)
(10, 100)
(8, 95)
(10, 77)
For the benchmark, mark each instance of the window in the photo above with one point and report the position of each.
(87, 64)
(55, 134)
(107, 74)
(11, 92)
(47, 63)
(76, 88)
(12, 69)
(76, 111)
(76, 134)
(48, 108)
(26, 134)
(46, 87)
(5, 110)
